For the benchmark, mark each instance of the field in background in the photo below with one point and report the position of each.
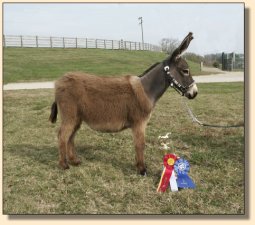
(106, 181)
(46, 64)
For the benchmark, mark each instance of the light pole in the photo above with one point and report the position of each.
(141, 23)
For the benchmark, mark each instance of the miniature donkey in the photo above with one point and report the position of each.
(114, 104)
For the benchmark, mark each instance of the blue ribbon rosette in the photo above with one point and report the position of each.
(182, 167)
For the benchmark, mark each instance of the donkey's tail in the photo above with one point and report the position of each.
(54, 113)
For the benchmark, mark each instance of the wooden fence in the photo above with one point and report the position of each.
(70, 42)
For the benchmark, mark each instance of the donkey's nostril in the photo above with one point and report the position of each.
(192, 92)
(191, 96)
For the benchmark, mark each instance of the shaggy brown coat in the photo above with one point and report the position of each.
(105, 104)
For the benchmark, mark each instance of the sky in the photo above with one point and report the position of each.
(216, 27)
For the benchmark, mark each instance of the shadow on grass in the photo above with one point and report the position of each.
(107, 156)
(95, 154)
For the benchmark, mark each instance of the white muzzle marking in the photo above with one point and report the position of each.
(192, 91)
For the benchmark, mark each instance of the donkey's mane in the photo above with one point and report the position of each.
(149, 69)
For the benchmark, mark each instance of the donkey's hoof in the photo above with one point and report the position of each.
(143, 172)
(64, 166)
(75, 162)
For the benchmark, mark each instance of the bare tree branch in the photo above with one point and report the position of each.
(168, 45)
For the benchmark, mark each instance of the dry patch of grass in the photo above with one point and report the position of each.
(106, 182)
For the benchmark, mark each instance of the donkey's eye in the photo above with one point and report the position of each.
(185, 72)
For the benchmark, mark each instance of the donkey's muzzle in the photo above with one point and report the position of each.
(191, 92)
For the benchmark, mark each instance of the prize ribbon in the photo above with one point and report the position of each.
(182, 168)
(168, 172)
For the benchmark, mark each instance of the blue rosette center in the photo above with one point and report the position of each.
(181, 166)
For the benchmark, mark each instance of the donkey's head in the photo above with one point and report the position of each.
(178, 71)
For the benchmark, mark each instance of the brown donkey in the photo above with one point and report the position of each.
(114, 104)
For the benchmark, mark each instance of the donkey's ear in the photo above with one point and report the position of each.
(183, 46)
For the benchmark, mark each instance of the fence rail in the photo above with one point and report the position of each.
(74, 42)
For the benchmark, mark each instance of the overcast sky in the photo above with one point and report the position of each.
(216, 27)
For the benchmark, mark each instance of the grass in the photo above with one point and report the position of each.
(106, 182)
(45, 64)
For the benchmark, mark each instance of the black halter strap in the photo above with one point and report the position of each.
(174, 83)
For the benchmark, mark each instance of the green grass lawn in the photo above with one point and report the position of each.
(45, 64)
(106, 182)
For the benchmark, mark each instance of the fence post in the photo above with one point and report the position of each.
(76, 42)
(121, 44)
(36, 41)
(86, 42)
(21, 41)
(112, 44)
(201, 66)
(96, 42)
(50, 42)
(104, 44)
(223, 61)
(64, 42)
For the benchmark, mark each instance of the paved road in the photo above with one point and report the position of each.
(224, 77)
(30, 85)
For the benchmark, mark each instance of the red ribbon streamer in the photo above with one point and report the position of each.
(169, 161)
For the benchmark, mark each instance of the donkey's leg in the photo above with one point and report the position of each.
(71, 153)
(69, 125)
(62, 145)
(139, 140)
(66, 143)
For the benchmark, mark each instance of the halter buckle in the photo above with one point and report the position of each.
(167, 68)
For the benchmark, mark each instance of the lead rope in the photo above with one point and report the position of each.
(195, 120)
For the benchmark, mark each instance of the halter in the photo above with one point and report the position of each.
(175, 84)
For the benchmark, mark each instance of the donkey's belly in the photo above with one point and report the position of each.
(107, 115)
(108, 126)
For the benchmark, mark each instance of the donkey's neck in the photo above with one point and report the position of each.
(155, 83)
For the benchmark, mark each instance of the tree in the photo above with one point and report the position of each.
(194, 57)
(168, 45)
